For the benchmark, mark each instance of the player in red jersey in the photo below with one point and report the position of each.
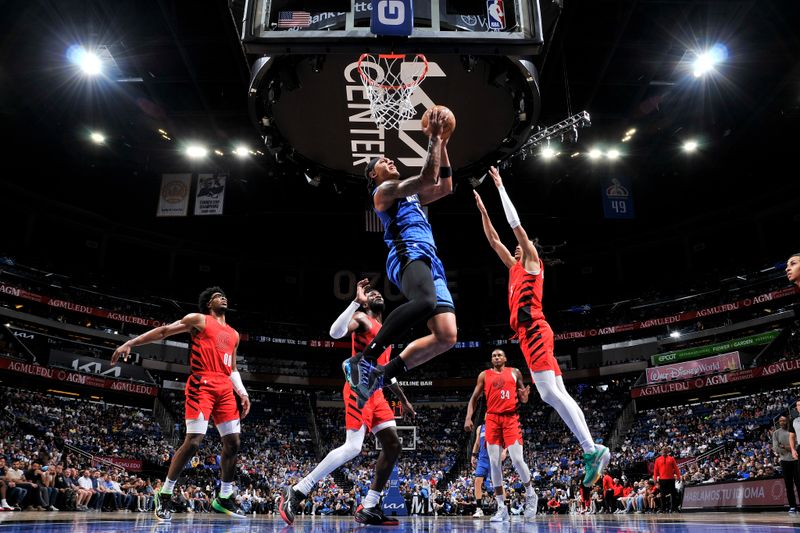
(503, 386)
(362, 319)
(525, 287)
(209, 394)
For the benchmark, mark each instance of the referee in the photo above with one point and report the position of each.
(782, 445)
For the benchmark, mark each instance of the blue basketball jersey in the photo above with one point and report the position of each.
(406, 227)
(483, 453)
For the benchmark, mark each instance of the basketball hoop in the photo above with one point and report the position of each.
(389, 81)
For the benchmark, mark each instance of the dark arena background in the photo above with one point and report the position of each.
(154, 148)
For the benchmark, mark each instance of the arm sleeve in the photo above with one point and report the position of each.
(508, 208)
(236, 379)
(340, 325)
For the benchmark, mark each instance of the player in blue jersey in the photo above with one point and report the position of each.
(412, 265)
(480, 462)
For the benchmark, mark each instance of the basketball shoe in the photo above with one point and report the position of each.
(289, 503)
(226, 506)
(595, 464)
(373, 516)
(364, 377)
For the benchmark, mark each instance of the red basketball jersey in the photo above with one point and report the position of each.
(213, 349)
(500, 390)
(525, 295)
(362, 338)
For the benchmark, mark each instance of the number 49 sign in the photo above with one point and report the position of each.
(617, 198)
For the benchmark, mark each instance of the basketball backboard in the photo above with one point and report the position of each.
(451, 26)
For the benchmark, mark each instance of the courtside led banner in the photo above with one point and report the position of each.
(738, 494)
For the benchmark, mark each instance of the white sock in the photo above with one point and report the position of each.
(226, 489)
(372, 499)
(4, 503)
(335, 458)
(558, 397)
(168, 485)
(501, 502)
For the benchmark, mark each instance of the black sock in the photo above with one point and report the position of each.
(394, 368)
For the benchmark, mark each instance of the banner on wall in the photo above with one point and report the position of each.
(173, 199)
(617, 198)
(680, 317)
(130, 465)
(701, 382)
(76, 378)
(690, 369)
(210, 195)
(712, 349)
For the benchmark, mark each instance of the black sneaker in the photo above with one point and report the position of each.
(163, 506)
(364, 377)
(289, 503)
(374, 516)
(227, 506)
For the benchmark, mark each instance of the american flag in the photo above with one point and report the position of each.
(294, 19)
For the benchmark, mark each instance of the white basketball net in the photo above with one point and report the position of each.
(389, 81)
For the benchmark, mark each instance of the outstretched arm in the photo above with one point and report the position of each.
(530, 257)
(492, 236)
(184, 325)
(444, 185)
(350, 319)
(388, 191)
(473, 401)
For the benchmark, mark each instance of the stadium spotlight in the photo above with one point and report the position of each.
(548, 152)
(706, 61)
(196, 151)
(88, 62)
(595, 153)
(612, 154)
(690, 146)
(241, 151)
(97, 137)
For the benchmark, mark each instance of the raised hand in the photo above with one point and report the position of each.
(361, 291)
(436, 122)
(495, 174)
(479, 202)
(124, 351)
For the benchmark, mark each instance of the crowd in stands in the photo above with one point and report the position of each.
(42, 434)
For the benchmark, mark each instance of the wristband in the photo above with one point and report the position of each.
(445, 172)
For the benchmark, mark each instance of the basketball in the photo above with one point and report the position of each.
(450, 120)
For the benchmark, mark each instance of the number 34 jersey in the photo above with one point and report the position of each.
(500, 389)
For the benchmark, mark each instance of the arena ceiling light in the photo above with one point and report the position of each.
(690, 146)
(88, 62)
(241, 151)
(612, 154)
(97, 137)
(706, 62)
(595, 153)
(195, 151)
(548, 152)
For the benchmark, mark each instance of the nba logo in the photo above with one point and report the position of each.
(495, 14)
